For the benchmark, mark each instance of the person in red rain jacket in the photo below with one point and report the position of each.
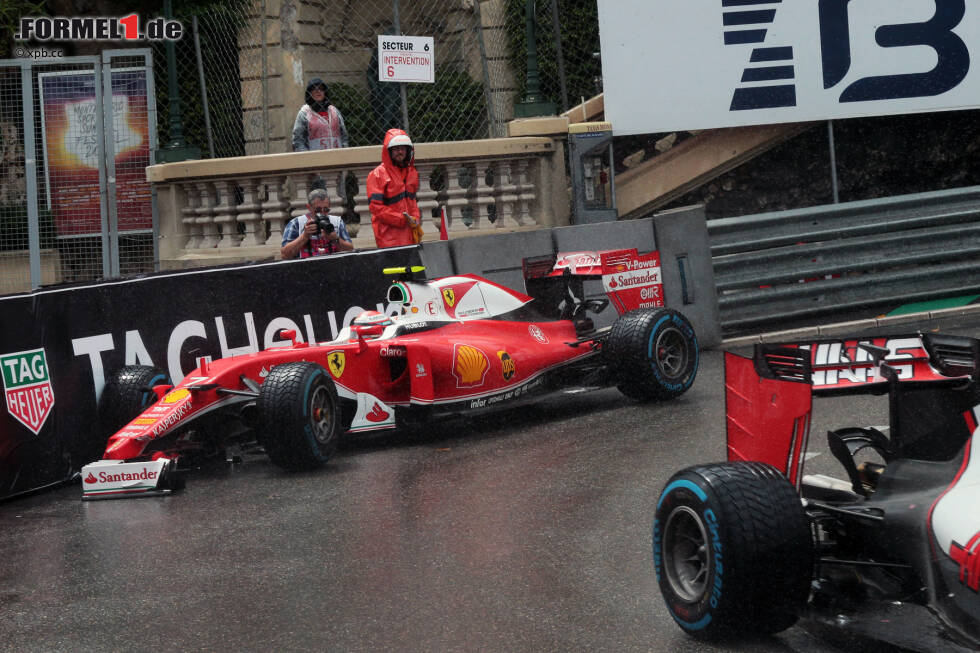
(391, 189)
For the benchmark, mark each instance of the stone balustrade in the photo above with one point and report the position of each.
(232, 209)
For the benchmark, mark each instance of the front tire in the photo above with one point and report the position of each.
(299, 416)
(733, 550)
(127, 393)
(653, 353)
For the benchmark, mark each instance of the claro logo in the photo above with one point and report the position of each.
(770, 76)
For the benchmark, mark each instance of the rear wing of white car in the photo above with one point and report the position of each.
(930, 381)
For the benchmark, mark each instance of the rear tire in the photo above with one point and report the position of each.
(127, 393)
(733, 550)
(299, 416)
(653, 354)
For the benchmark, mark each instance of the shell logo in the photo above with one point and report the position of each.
(144, 421)
(176, 395)
(470, 367)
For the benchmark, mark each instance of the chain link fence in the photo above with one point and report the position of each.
(76, 141)
(243, 65)
(569, 65)
(240, 74)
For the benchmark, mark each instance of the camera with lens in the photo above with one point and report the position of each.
(323, 223)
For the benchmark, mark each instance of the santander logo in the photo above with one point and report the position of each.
(91, 478)
(377, 414)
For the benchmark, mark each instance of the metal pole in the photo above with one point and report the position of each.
(107, 179)
(556, 27)
(833, 160)
(401, 85)
(533, 104)
(151, 120)
(176, 123)
(265, 84)
(30, 168)
(177, 149)
(204, 86)
(487, 90)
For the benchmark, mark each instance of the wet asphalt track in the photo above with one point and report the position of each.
(524, 531)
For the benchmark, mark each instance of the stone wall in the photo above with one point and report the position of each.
(13, 178)
(876, 157)
(335, 40)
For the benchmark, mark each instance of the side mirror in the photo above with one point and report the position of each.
(286, 334)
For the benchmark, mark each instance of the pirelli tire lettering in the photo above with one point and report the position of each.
(716, 530)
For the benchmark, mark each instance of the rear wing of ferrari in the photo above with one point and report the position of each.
(768, 397)
(631, 280)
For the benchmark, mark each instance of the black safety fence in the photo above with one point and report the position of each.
(60, 344)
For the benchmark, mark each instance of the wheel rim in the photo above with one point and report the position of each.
(686, 554)
(670, 352)
(321, 415)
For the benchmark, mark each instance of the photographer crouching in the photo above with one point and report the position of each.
(316, 233)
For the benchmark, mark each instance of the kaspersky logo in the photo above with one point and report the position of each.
(27, 387)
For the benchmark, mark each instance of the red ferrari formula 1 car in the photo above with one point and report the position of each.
(451, 346)
(891, 551)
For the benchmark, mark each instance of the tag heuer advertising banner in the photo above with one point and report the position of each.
(700, 64)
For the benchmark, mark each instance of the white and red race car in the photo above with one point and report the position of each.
(890, 552)
(453, 345)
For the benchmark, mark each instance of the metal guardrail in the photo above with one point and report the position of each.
(788, 266)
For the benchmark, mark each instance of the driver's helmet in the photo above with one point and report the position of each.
(371, 323)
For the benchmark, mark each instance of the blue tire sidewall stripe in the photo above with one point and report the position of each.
(307, 426)
(146, 400)
(687, 485)
(686, 330)
(703, 497)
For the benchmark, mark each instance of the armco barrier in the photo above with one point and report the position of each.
(791, 265)
(59, 343)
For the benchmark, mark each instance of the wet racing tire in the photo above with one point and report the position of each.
(653, 354)
(733, 550)
(127, 393)
(299, 416)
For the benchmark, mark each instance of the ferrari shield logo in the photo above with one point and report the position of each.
(27, 386)
(336, 362)
(449, 295)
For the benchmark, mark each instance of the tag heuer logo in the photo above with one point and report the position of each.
(27, 386)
